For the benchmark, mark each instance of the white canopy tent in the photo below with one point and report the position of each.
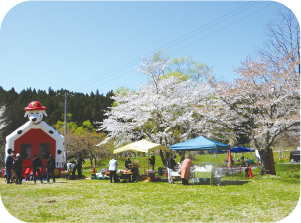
(142, 146)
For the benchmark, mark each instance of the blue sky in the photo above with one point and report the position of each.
(84, 46)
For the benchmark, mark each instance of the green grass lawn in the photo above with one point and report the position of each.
(239, 199)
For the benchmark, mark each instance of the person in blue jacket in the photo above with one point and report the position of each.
(9, 165)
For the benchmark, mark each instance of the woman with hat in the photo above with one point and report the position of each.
(18, 169)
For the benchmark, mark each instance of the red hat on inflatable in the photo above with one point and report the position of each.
(34, 105)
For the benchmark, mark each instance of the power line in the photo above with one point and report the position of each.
(182, 41)
(221, 28)
(130, 64)
(193, 42)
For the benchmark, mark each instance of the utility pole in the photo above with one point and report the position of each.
(65, 120)
(65, 115)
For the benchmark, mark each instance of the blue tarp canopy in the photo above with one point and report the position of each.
(218, 151)
(241, 149)
(199, 143)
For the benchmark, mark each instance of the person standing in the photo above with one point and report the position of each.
(18, 165)
(185, 170)
(113, 164)
(50, 168)
(127, 163)
(247, 167)
(242, 158)
(152, 161)
(36, 165)
(171, 164)
(8, 165)
(80, 161)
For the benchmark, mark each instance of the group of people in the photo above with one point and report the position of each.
(184, 170)
(76, 165)
(113, 164)
(171, 165)
(14, 164)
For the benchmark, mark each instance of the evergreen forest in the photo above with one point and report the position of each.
(80, 107)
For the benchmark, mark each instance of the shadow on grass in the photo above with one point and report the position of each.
(44, 183)
(224, 183)
(233, 182)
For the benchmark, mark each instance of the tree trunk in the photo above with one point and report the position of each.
(182, 154)
(163, 158)
(91, 161)
(264, 159)
(95, 161)
(167, 155)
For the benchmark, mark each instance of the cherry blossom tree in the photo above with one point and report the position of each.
(160, 110)
(2, 124)
(2, 140)
(262, 103)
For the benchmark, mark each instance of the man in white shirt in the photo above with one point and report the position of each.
(72, 167)
(113, 164)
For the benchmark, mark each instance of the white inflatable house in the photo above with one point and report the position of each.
(35, 136)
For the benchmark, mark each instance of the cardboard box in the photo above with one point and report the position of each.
(143, 177)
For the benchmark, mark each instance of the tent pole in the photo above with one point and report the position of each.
(147, 164)
(216, 155)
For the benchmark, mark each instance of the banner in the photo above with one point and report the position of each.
(229, 158)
